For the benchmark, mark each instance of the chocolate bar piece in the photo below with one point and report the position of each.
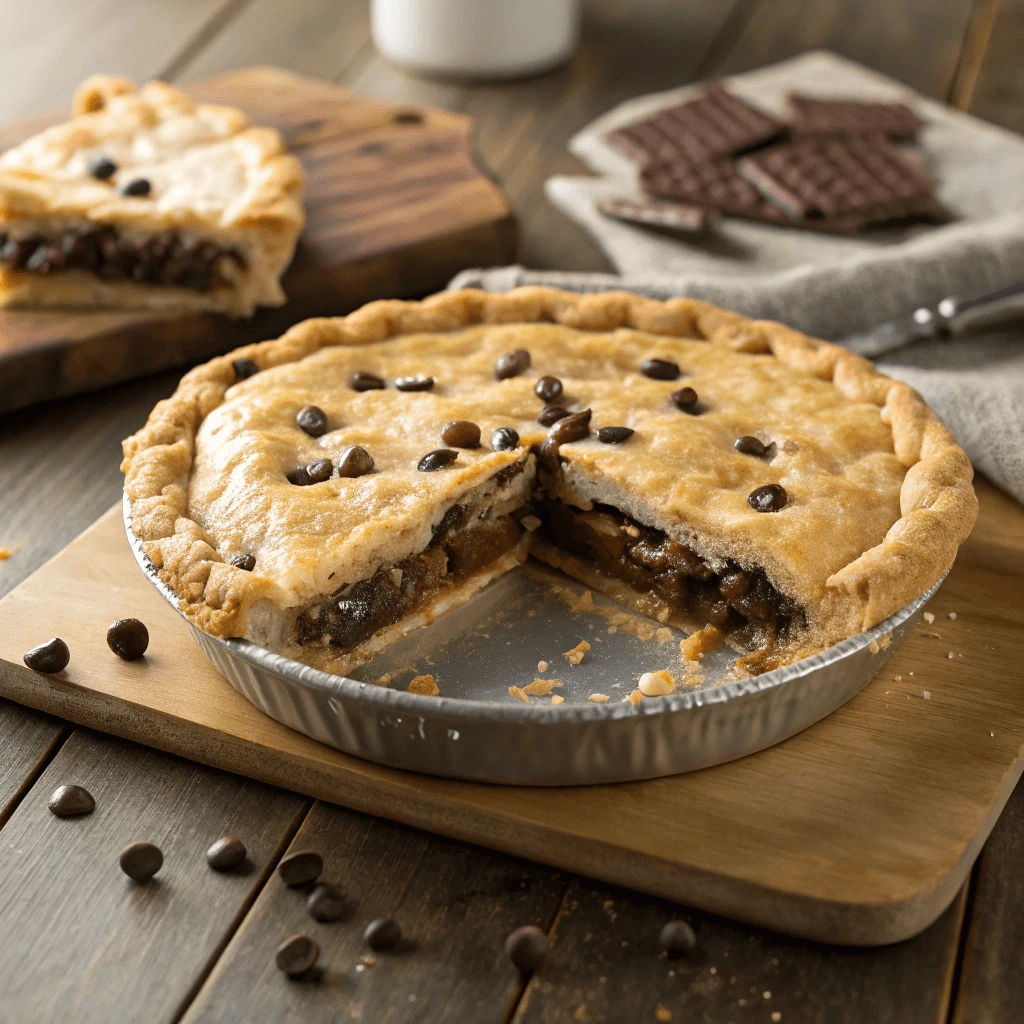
(714, 124)
(814, 115)
(675, 216)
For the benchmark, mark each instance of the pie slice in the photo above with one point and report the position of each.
(324, 493)
(145, 199)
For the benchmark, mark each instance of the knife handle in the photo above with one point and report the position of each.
(953, 317)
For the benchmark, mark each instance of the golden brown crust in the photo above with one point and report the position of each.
(937, 502)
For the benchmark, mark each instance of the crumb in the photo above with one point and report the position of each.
(910, 673)
(384, 680)
(656, 684)
(598, 698)
(514, 691)
(926, 695)
(896, 679)
(776, 1017)
(575, 656)
(631, 531)
(396, 576)
(695, 646)
(530, 614)
(952, 615)
(5, 553)
(542, 666)
(662, 1015)
(635, 697)
(424, 685)
(992, 734)
(712, 970)
(663, 636)
(951, 655)
(557, 699)
(873, 647)
(531, 524)
(766, 995)
(613, 629)
(370, 961)
(928, 617)
(541, 687)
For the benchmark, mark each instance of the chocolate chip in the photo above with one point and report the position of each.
(355, 461)
(572, 428)
(226, 853)
(102, 168)
(551, 414)
(136, 187)
(362, 381)
(547, 389)
(526, 948)
(659, 369)
(677, 939)
(504, 439)
(769, 498)
(685, 399)
(314, 472)
(128, 639)
(246, 562)
(749, 445)
(313, 420)
(296, 955)
(414, 383)
(461, 434)
(511, 364)
(614, 435)
(244, 368)
(141, 861)
(382, 934)
(437, 459)
(68, 801)
(53, 656)
(326, 903)
(300, 868)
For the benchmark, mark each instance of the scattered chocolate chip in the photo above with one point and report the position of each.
(53, 656)
(685, 399)
(504, 439)
(526, 947)
(326, 903)
(136, 187)
(547, 389)
(407, 117)
(102, 168)
(414, 383)
(296, 955)
(572, 428)
(300, 868)
(246, 562)
(315, 472)
(614, 435)
(769, 498)
(749, 445)
(226, 853)
(244, 368)
(362, 381)
(551, 414)
(677, 939)
(141, 861)
(313, 420)
(382, 934)
(659, 369)
(461, 434)
(68, 801)
(437, 459)
(128, 639)
(355, 461)
(511, 364)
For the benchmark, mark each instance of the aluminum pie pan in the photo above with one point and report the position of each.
(539, 744)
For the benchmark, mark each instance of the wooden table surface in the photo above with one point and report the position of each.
(77, 945)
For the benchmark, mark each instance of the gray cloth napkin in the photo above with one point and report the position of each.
(835, 287)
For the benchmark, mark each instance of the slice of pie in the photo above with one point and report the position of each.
(145, 199)
(327, 492)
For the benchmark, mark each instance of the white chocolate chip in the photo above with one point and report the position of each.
(542, 666)
(928, 617)
(598, 698)
(656, 684)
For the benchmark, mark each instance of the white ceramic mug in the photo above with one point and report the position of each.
(476, 38)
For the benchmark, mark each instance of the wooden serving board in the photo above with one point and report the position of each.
(860, 830)
(395, 206)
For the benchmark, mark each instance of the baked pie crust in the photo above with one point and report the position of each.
(878, 494)
(194, 210)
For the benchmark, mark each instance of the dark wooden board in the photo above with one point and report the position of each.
(395, 205)
(109, 949)
(455, 904)
(27, 740)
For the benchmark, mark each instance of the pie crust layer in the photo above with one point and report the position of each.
(878, 494)
(145, 199)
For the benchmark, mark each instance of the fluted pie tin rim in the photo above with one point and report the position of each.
(543, 744)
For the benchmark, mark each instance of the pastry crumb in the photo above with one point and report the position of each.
(635, 697)
(557, 698)
(396, 576)
(896, 679)
(542, 666)
(704, 641)
(776, 1017)
(531, 524)
(384, 680)
(631, 531)
(928, 617)
(873, 647)
(370, 961)
(598, 698)
(663, 636)
(530, 614)
(656, 684)
(951, 655)
(541, 687)
(952, 615)
(5, 553)
(575, 656)
(519, 694)
(662, 1014)
(926, 695)
(424, 685)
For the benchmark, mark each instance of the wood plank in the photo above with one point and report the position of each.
(456, 904)
(82, 941)
(998, 93)
(603, 936)
(29, 740)
(868, 852)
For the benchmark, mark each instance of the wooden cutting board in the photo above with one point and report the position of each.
(395, 206)
(860, 830)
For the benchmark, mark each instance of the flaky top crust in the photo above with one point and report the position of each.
(880, 494)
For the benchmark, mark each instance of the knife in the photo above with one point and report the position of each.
(950, 318)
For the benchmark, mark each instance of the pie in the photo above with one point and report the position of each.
(145, 199)
(325, 493)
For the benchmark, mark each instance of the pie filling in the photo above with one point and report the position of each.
(161, 259)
